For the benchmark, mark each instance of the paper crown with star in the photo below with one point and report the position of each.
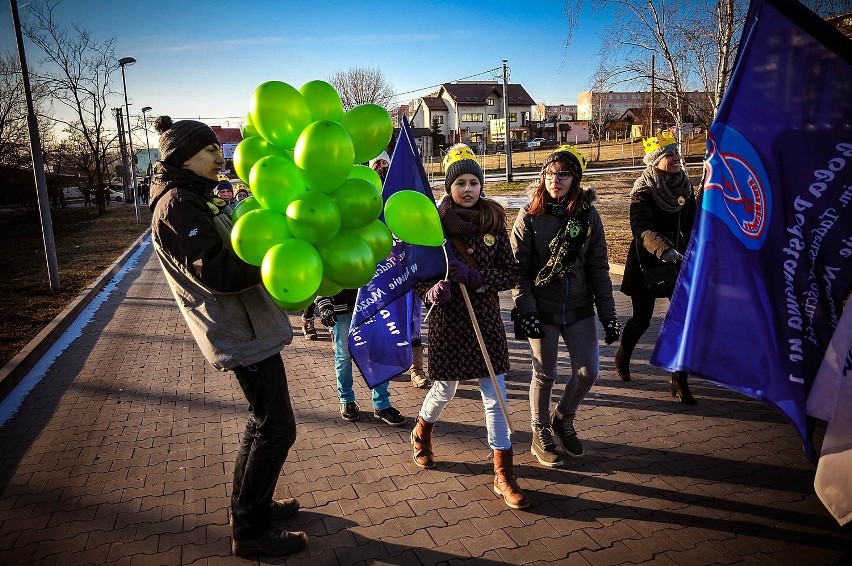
(458, 161)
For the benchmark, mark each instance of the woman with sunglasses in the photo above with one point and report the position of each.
(563, 276)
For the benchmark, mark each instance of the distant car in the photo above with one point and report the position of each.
(549, 143)
(111, 194)
(535, 142)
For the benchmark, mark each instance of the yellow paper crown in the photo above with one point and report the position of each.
(656, 142)
(568, 148)
(457, 153)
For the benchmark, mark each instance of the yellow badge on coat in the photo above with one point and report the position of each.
(489, 240)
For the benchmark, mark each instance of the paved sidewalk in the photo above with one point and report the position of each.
(123, 454)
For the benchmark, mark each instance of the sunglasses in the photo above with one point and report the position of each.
(561, 175)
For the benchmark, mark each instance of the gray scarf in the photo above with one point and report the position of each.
(670, 192)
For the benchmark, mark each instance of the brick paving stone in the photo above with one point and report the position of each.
(124, 455)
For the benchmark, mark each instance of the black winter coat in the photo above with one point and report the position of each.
(661, 230)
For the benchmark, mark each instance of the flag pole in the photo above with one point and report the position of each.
(487, 358)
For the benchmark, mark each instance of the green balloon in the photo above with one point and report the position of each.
(275, 181)
(413, 218)
(347, 259)
(313, 217)
(248, 130)
(359, 202)
(323, 101)
(324, 153)
(245, 205)
(292, 271)
(294, 307)
(378, 237)
(328, 288)
(370, 127)
(250, 151)
(280, 113)
(257, 231)
(366, 173)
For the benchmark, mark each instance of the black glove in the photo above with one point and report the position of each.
(612, 330)
(531, 326)
(327, 316)
(671, 255)
(468, 276)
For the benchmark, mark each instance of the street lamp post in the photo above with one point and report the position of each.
(124, 61)
(147, 143)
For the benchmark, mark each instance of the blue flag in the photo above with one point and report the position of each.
(768, 265)
(382, 323)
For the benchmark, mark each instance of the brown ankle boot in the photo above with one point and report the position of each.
(421, 442)
(505, 483)
(680, 388)
(418, 378)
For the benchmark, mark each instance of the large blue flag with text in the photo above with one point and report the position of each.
(768, 266)
(381, 330)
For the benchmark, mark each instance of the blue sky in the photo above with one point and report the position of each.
(204, 59)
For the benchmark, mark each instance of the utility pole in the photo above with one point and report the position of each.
(507, 142)
(651, 125)
(38, 160)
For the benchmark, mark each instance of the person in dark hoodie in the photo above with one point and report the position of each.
(234, 322)
(563, 275)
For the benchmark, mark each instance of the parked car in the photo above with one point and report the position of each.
(549, 143)
(535, 142)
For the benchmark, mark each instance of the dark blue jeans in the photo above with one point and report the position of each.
(269, 434)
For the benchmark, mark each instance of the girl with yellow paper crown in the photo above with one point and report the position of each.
(476, 230)
(563, 278)
(662, 211)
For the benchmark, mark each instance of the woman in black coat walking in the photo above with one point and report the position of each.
(662, 211)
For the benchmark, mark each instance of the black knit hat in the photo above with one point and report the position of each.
(180, 140)
(459, 161)
(570, 159)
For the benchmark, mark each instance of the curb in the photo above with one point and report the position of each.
(18, 367)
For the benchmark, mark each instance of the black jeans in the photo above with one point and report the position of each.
(269, 434)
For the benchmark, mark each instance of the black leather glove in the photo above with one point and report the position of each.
(531, 325)
(327, 316)
(612, 330)
(671, 255)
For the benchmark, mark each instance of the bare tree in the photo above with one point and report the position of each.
(603, 114)
(77, 73)
(13, 113)
(358, 85)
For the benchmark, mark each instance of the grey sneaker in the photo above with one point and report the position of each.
(273, 542)
(544, 449)
(564, 429)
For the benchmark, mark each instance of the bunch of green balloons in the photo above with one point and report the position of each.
(312, 225)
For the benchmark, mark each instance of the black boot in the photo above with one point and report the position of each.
(679, 388)
(629, 338)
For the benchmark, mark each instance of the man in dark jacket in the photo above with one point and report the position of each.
(233, 320)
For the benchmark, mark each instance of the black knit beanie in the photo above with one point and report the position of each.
(459, 161)
(180, 140)
(569, 162)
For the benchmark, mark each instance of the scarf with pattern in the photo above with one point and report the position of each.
(668, 191)
(565, 246)
(458, 220)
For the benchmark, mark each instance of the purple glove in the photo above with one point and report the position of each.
(470, 277)
(439, 292)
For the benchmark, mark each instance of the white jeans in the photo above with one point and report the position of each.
(442, 392)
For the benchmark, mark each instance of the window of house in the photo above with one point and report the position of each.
(513, 117)
(440, 119)
(492, 116)
(472, 117)
(490, 102)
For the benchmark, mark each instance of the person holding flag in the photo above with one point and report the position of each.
(662, 211)
(563, 274)
(477, 229)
